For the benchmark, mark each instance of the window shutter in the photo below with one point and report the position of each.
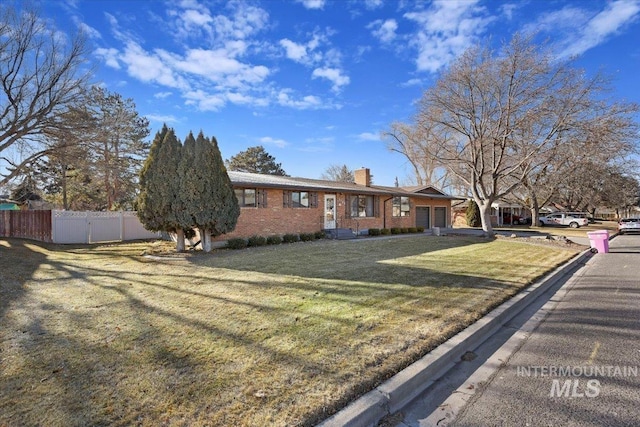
(286, 199)
(313, 200)
(376, 206)
(347, 206)
(261, 197)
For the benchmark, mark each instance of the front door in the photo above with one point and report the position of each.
(330, 211)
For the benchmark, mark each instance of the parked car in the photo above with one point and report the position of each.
(507, 219)
(629, 225)
(571, 219)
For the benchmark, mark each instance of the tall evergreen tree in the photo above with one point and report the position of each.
(217, 209)
(255, 160)
(190, 185)
(159, 202)
(473, 214)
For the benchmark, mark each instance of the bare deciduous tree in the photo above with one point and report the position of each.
(494, 119)
(411, 143)
(338, 173)
(41, 74)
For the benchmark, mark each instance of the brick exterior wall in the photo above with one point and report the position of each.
(275, 219)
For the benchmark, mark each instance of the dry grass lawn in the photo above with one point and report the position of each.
(99, 335)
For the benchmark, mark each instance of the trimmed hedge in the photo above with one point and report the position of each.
(236, 243)
(274, 240)
(385, 231)
(290, 238)
(374, 232)
(395, 230)
(256, 241)
(320, 235)
(307, 237)
(420, 229)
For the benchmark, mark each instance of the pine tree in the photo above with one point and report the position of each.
(255, 160)
(473, 214)
(159, 203)
(217, 210)
(190, 177)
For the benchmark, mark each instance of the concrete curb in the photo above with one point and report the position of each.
(398, 391)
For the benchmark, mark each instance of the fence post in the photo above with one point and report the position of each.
(121, 226)
(88, 227)
(53, 226)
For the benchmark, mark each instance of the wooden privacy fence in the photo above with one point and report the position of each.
(34, 225)
(73, 227)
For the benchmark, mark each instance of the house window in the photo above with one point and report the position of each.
(362, 206)
(246, 197)
(251, 197)
(401, 206)
(300, 199)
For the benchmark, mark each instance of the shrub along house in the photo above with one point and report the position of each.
(278, 205)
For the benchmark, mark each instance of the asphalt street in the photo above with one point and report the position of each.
(574, 362)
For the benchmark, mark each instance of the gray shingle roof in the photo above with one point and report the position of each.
(241, 179)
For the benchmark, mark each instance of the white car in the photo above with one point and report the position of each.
(627, 225)
(571, 219)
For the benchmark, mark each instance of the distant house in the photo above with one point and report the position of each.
(8, 205)
(277, 205)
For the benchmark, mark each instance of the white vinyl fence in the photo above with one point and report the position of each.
(93, 227)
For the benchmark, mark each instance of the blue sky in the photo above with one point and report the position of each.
(314, 81)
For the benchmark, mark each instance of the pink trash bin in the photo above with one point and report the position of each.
(599, 241)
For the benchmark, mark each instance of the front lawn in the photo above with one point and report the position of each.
(278, 335)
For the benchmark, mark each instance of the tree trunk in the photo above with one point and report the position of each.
(205, 235)
(180, 240)
(485, 216)
(535, 209)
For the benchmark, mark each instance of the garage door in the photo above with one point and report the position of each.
(440, 217)
(423, 217)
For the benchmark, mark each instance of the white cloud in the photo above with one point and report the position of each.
(150, 68)
(385, 31)
(507, 9)
(446, 30)
(306, 103)
(368, 136)
(109, 56)
(296, 52)
(161, 118)
(205, 101)
(334, 75)
(87, 29)
(312, 4)
(281, 143)
(162, 95)
(372, 4)
(304, 53)
(412, 82)
(602, 26)
(195, 17)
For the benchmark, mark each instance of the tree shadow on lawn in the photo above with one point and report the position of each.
(19, 262)
(62, 376)
(363, 265)
(85, 366)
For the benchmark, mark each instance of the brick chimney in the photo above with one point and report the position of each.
(362, 177)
